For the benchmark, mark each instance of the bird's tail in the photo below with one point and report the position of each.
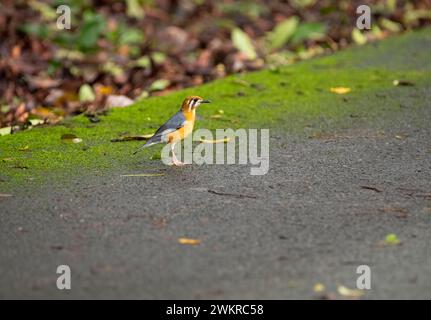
(149, 143)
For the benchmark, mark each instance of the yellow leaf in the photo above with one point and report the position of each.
(391, 240)
(319, 287)
(359, 37)
(225, 140)
(216, 116)
(105, 90)
(189, 241)
(351, 293)
(143, 175)
(340, 90)
(25, 148)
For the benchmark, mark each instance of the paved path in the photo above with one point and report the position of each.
(321, 211)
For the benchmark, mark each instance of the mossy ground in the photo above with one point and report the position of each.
(292, 98)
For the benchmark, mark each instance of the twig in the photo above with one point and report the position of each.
(372, 188)
(236, 195)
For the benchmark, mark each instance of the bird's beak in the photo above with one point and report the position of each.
(205, 101)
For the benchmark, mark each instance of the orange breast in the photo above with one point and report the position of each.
(183, 132)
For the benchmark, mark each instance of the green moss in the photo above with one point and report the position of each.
(294, 98)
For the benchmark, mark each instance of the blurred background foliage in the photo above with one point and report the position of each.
(120, 51)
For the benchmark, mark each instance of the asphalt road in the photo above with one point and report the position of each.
(320, 212)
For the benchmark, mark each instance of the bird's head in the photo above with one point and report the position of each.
(192, 102)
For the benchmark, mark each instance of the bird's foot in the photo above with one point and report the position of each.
(177, 163)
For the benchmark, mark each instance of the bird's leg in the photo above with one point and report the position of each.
(175, 161)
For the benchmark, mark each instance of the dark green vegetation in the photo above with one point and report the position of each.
(295, 98)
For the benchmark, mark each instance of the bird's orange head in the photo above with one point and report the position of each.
(192, 102)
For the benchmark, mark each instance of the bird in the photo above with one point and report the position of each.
(178, 127)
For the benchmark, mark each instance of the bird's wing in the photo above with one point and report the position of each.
(176, 122)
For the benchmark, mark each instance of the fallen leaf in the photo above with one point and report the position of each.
(86, 93)
(68, 136)
(135, 9)
(372, 188)
(132, 138)
(143, 175)
(25, 148)
(225, 140)
(117, 101)
(282, 32)
(241, 82)
(358, 37)
(35, 122)
(391, 240)
(159, 84)
(189, 241)
(390, 25)
(402, 83)
(243, 43)
(20, 166)
(319, 287)
(351, 293)
(43, 83)
(340, 90)
(103, 90)
(143, 95)
(216, 116)
(4, 131)
(236, 195)
(309, 31)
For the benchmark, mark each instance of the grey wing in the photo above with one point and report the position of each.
(176, 122)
